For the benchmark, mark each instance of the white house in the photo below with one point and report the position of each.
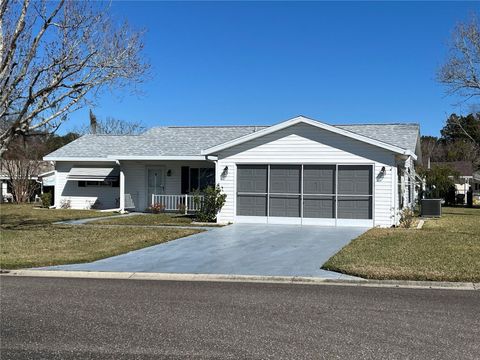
(299, 171)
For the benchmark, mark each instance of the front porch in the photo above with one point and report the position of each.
(183, 204)
(133, 185)
(169, 185)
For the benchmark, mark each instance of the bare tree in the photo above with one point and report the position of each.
(22, 165)
(111, 126)
(461, 72)
(22, 174)
(56, 57)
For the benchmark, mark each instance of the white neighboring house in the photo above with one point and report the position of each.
(466, 180)
(299, 171)
(47, 172)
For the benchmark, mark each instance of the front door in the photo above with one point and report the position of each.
(155, 183)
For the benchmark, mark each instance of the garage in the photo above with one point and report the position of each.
(309, 194)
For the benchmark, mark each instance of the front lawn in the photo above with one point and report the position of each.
(445, 249)
(152, 220)
(29, 239)
(24, 215)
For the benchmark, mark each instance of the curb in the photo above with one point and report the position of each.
(301, 280)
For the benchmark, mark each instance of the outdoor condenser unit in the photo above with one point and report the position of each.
(431, 207)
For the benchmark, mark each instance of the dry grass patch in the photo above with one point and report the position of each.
(446, 249)
(28, 238)
(152, 220)
(13, 215)
(148, 219)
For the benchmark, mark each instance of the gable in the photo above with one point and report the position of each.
(307, 144)
(315, 124)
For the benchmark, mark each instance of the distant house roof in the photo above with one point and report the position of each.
(178, 142)
(464, 168)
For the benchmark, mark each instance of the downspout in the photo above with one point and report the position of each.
(121, 188)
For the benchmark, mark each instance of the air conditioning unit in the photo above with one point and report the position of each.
(431, 208)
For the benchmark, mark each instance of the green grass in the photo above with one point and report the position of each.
(152, 220)
(445, 249)
(29, 239)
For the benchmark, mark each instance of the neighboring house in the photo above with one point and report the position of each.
(299, 171)
(467, 178)
(44, 168)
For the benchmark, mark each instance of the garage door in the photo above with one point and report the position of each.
(308, 194)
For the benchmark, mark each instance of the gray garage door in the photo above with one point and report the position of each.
(308, 191)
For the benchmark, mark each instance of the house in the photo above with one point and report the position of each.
(299, 171)
(467, 178)
(34, 172)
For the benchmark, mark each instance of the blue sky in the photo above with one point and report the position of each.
(239, 63)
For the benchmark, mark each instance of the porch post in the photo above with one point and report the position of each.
(122, 190)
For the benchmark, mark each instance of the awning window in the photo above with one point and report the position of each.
(94, 174)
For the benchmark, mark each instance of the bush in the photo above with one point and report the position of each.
(46, 199)
(407, 218)
(65, 204)
(181, 208)
(157, 208)
(213, 201)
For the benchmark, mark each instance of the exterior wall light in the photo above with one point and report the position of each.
(225, 172)
(381, 174)
(169, 172)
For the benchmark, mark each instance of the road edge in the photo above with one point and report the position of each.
(303, 280)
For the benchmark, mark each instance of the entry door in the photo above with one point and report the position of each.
(155, 183)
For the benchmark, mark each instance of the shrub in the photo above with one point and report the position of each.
(97, 204)
(213, 201)
(407, 218)
(157, 208)
(181, 208)
(65, 204)
(46, 199)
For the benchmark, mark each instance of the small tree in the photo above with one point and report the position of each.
(213, 200)
(22, 165)
(439, 180)
(21, 172)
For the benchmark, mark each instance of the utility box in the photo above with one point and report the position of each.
(431, 208)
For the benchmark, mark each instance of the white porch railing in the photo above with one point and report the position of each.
(186, 203)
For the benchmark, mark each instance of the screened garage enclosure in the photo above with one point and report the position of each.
(305, 194)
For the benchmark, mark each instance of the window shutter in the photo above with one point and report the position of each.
(185, 186)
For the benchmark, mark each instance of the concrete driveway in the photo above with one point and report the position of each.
(241, 249)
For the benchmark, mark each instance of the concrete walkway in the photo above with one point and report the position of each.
(87, 220)
(240, 249)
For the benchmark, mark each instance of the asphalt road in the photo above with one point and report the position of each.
(45, 318)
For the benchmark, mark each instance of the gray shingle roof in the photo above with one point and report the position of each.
(185, 141)
(402, 135)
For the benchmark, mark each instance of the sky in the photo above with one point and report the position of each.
(259, 63)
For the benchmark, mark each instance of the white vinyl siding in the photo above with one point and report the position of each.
(305, 144)
(83, 197)
(135, 184)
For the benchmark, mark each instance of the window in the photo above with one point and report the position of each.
(197, 179)
(106, 183)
